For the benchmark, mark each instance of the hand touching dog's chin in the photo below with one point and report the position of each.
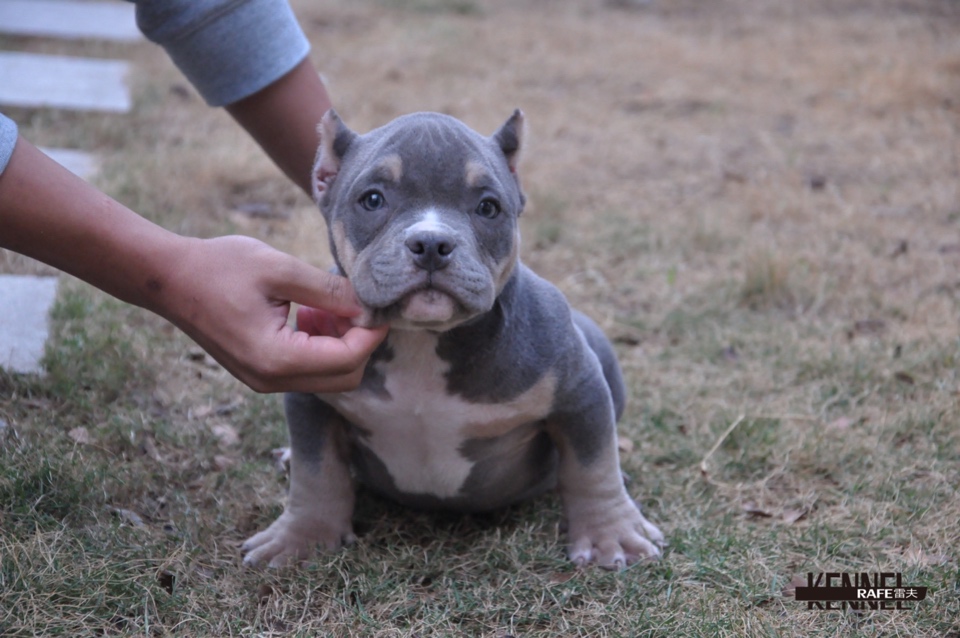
(367, 319)
(428, 307)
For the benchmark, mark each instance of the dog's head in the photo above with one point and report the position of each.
(422, 215)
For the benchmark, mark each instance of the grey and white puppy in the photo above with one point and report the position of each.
(489, 389)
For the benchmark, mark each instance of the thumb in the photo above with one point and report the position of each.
(307, 285)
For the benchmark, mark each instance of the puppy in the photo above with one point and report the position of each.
(489, 388)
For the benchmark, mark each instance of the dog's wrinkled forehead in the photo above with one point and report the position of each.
(432, 141)
(423, 152)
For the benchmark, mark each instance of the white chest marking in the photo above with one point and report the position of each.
(418, 430)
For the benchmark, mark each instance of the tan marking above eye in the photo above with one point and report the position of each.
(474, 172)
(392, 165)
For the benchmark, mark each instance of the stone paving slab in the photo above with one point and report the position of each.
(55, 81)
(70, 19)
(25, 303)
(79, 163)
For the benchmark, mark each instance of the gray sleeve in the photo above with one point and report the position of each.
(228, 49)
(8, 139)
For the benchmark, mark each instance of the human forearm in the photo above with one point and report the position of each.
(230, 294)
(49, 214)
(283, 119)
(250, 56)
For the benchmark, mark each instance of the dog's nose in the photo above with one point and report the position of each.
(431, 251)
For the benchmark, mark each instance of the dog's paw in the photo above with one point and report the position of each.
(613, 538)
(289, 540)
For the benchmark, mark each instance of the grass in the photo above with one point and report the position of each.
(790, 344)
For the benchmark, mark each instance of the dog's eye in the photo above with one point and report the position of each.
(488, 208)
(372, 200)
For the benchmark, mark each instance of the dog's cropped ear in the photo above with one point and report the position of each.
(510, 139)
(335, 139)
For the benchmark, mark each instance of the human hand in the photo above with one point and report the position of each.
(232, 295)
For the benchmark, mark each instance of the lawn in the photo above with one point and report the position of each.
(759, 201)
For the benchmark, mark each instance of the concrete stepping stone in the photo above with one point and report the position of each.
(25, 303)
(79, 163)
(70, 19)
(56, 81)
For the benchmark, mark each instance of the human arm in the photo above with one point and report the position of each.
(283, 120)
(249, 56)
(231, 294)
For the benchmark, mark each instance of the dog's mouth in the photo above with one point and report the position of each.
(425, 307)
(428, 306)
(418, 300)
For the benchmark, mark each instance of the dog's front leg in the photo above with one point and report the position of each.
(319, 508)
(604, 525)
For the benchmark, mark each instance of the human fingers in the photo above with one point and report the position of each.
(321, 364)
(299, 282)
(319, 322)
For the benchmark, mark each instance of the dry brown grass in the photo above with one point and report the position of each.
(759, 201)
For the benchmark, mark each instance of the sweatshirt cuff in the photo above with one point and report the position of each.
(227, 50)
(8, 140)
